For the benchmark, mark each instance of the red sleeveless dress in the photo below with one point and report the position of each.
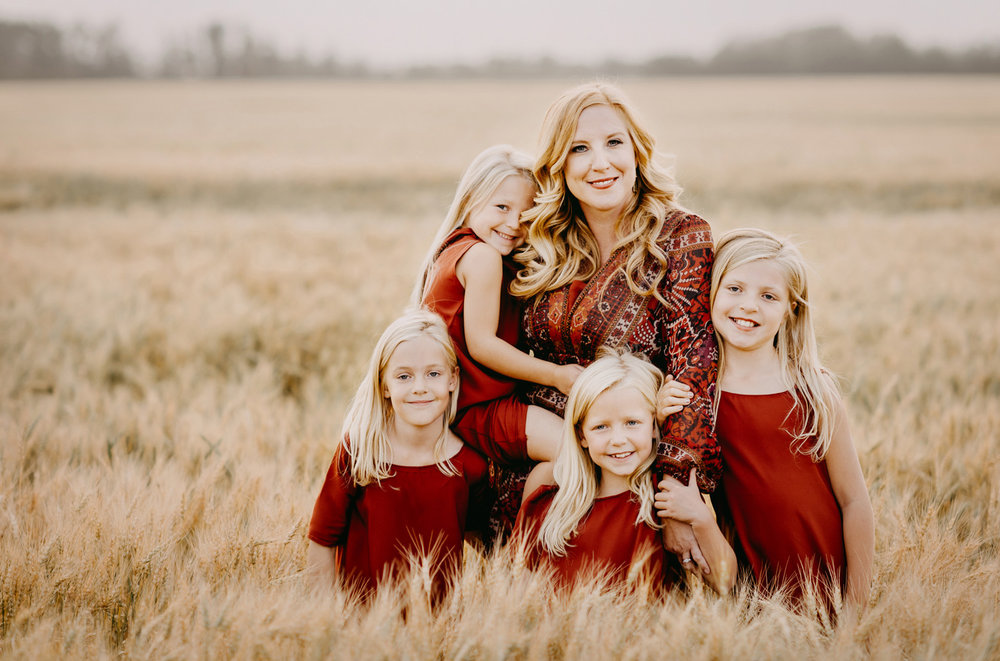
(779, 502)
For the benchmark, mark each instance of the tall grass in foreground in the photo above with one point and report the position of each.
(172, 384)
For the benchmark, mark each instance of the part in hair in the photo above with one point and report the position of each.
(812, 386)
(560, 244)
(370, 415)
(481, 179)
(575, 473)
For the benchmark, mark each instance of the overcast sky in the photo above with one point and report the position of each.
(394, 32)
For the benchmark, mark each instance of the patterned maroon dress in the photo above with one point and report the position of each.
(571, 323)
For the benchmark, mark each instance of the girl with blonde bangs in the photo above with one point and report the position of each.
(812, 386)
(613, 260)
(401, 484)
(593, 511)
(783, 430)
(369, 416)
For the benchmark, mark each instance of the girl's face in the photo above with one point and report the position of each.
(497, 221)
(618, 434)
(418, 382)
(750, 305)
(600, 167)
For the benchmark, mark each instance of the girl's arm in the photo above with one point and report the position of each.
(330, 518)
(321, 567)
(480, 270)
(849, 488)
(684, 503)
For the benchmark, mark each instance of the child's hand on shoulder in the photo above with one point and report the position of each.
(671, 398)
(564, 376)
(679, 501)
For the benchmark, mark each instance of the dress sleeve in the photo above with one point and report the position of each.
(688, 437)
(332, 511)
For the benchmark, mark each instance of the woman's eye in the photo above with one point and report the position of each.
(733, 288)
(403, 377)
(770, 297)
(578, 149)
(434, 374)
(614, 142)
(503, 207)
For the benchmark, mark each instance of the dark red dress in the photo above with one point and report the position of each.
(418, 509)
(489, 417)
(779, 503)
(606, 540)
(570, 324)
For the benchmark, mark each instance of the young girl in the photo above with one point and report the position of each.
(464, 279)
(401, 483)
(594, 509)
(792, 486)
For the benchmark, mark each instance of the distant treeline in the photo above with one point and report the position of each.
(40, 50)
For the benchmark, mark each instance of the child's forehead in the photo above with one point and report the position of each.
(420, 350)
(765, 271)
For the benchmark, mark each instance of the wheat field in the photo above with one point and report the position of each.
(192, 276)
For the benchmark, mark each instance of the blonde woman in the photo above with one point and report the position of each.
(593, 512)
(613, 260)
(401, 483)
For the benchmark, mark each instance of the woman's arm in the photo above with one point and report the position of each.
(684, 503)
(849, 488)
(688, 436)
(480, 270)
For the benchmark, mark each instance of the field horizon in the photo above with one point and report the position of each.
(194, 275)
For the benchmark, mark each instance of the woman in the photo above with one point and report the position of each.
(613, 260)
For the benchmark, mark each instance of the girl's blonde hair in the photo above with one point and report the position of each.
(813, 387)
(481, 179)
(574, 471)
(369, 417)
(560, 245)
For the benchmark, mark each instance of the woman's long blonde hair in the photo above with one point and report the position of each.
(560, 245)
(813, 387)
(479, 181)
(575, 472)
(369, 417)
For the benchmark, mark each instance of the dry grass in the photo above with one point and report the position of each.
(175, 364)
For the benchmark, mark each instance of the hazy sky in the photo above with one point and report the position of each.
(392, 32)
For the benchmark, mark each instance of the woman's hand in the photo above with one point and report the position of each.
(563, 377)
(671, 398)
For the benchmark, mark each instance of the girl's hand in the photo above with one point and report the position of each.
(563, 377)
(671, 398)
(678, 501)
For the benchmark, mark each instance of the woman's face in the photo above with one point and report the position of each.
(600, 167)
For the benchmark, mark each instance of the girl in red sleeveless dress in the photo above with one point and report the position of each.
(465, 279)
(401, 486)
(593, 511)
(792, 487)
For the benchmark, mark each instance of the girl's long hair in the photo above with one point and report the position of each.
(481, 179)
(813, 387)
(575, 472)
(369, 416)
(560, 245)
